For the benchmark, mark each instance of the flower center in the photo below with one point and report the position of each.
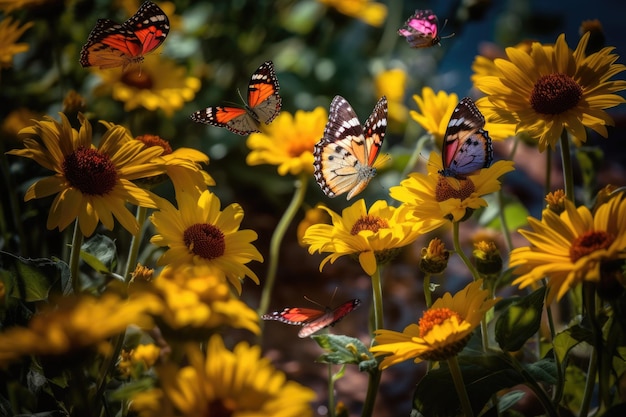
(153, 140)
(433, 317)
(205, 240)
(448, 187)
(555, 94)
(295, 148)
(138, 79)
(588, 243)
(368, 222)
(91, 172)
(221, 408)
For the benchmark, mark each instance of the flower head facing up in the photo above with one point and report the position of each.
(442, 332)
(288, 142)
(373, 235)
(571, 247)
(434, 259)
(199, 233)
(92, 184)
(224, 383)
(553, 88)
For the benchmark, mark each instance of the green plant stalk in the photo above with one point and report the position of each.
(77, 241)
(568, 173)
(374, 377)
(277, 238)
(548, 184)
(589, 303)
(503, 223)
(428, 297)
(331, 391)
(416, 154)
(534, 386)
(457, 378)
(133, 251)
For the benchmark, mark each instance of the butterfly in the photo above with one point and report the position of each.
(111, 44)
(311, 319)
(421, 30)
(263, 106)
(466, 145)
(345, 159)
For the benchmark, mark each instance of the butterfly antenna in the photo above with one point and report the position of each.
(314, 302)
(445, 22)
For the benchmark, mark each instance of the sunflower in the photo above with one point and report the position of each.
(571, 247)
(198, 233)
(553, 88)
(374, 235)
(288, 142)
(370, 12)
(10, 32)
(158, 84)
(442, 332)
(233, 383)
(92, 184)
(436, 199)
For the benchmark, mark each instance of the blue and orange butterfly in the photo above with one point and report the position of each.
(466, 145)
(111, 44)
(346, 157)
(263, 105)
(312, 319)
(421, 30)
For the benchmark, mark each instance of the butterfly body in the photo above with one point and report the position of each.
(421, 30)
(112, 44)
(467, 146)
(346, 157)
(263, 105)
(311, 319)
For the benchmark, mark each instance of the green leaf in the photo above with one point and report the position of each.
(567, 339)
(100, 253)
(32, 279)
(520, 321)
(342, 349)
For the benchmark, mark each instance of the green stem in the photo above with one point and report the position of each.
(277, 238)
(457, 378)
(428, 298)
(548, 184)
(589, 303)
(503, 223)
(133, 251)
(416, 154)
(374, 377)
(77, 241)
(331, 391)
(568, 172)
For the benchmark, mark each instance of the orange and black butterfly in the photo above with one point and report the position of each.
(111, 44)
(263, 105)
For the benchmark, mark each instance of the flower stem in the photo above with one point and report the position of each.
(277, 238)
(374, 377)
(457, 378)
(568, 173)
(548, 184)
(428, 298)
(77, 241)
(416, 154)
(503, 223)
(134, 244)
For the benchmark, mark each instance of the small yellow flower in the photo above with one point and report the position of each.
(138, 360)
(10, 32)
(199, 233)
(487, 257)
(442, 332)
(374, 235)
(288, 142)
(392, 84)
(434, 258)
(370, 12)
(556, 201)
(312, 216)
(571, 247)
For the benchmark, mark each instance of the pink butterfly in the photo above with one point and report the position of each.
(421, 30)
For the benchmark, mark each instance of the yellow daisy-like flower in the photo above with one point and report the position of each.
(92, 184)
(553, 88)
(571, 247)
(373, 235)
(198, 233)
(70, 326)
(438, 199)
(392, 84)
(370, 12)
(233, 383)
(138, 360)
(157, 84)
(442, 332)
(288, 142)
(10, 32)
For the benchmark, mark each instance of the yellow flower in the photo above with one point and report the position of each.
(157, 84)
(138, 360)
(373, 235)
(10, 5)
(288, 142)
(10, 32)
(571, 247)
(372, 13)
(442, 332)
(235, 383)
(551, 89)
(392, 84)
(312, 216)
(436, 199)
(92, 184)
(434, 259)
(199, 233)
(75, 324)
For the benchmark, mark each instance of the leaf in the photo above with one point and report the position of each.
(520, 321)
(342, 349)
(100, 253)
(567, 339)
(32, 279)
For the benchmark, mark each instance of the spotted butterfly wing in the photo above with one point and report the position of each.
(263, 105)
(421, 30)
(311, 319)
(111, 44)
(466, 145)
(346, 158)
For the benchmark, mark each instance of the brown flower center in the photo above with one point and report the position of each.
(589, 243)
(435, 316)
(154, 140)
(448, 187)
(205, 240)
(555, 94)
(138, 79)
(91, 172)
(368, 222)
(221, 408)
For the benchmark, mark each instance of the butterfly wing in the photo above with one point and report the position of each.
(467, 146)
(236, 119)
(345, 155)
(421, 30)
(263, 99)
(150, 25)
(295, 315)
(329, 318)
